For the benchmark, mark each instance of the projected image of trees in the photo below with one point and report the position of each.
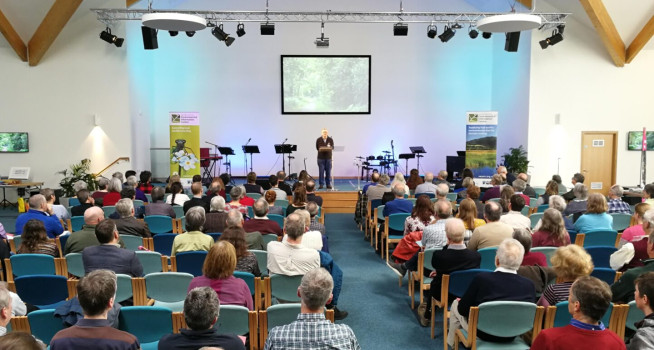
(13, 142)
(326, 84)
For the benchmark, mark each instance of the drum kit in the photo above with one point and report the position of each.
(381, 163)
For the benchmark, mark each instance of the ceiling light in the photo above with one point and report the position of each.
(447, 34)
(456, 26)
(486, 35)
(473, 33)
(556, 38)
(512, 22)
(431, 31)
(322, 42)
(240, 30)
(267, 28)
(110, 38)
(400, 29)
(190, 33)
(221, 35)
(173, 32)
(181, 22)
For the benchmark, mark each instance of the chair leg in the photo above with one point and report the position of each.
(433, 318)
(412, 287)
(446, 316)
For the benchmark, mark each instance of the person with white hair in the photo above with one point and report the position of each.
(427, 186)
(579, 205)
(216, 217)
(377, 191)
(39, 210)
(557, 202)
(399, 178)
(616, 204)
(127, 224)
(502, 284)
(5, 310)
(441, 178)
(399, 204)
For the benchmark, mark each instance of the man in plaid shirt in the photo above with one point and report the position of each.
(312, 208)
(312, 331)
(616, 204)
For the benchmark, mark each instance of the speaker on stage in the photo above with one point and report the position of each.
(512, 40)
(149, 38)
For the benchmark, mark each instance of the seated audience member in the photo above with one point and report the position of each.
(274, 186)
(493, 192)
(310, 239)
(178, 197)
(523, 235)
(398, 204)
(18, 307)
(551, 189)
(648, 194)
(311, 327)
(616, 204)
(302, 179)
(128, 193)
(246, 261)
(635, 230)
(245, 199)
(552, 232)
(387, 197)
(201, 311)
(505, 198)
(59, 210)
(98, 196)
(463, 191)
(5, 310)
(468, 213)
(128, 173)
(197, 200)
(39, 210)
(473, 192)
(290, 257)
(579, 205)
(399, 178)
(254, 239)
(251, 185)
(633, 254)
(514, 217)
(171, 180)
(113, 195)
(623, 289)
(270, 196)
(427, 186)
(433, 236)
(315, 225)
(85, 237)
(218, 273)
(85, 203)
(96, 292)
(20, 341)
(311, 195)
(559, 182)
(421, 215)
(281, 183)
(569, 263)
(127, 224)
(458, 184)
(299, 200)
(216, 218)
(588, 301)
(216, 188)
(505, 176)
(260, 223)
(502, 284)
(158, 206)
(193, 239)
(138, 194)
(644, 297)
(441, 178)
(595, 217)
(374, 180)
(145, 183)
(528, 190)
(236, 194)
(453, 257)
(441, 192)
(108, 255)
(35, 240)
(576, 179)
(494, 232)
(378, 190)
(519, 187)
(414, 179)
(557, 202)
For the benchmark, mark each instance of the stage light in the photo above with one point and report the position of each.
(240, 30)
(190, 34)
(447, 34)
(110, 38)
(222, 36)
(486, 35)
(322, 42)
(173, 32)
(267, 28)
(556, 38)
(473, 33)
(431, 31)
(456, 26)
(400, 29)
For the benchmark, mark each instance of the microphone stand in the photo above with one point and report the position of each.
(393, 158)
(245, 155)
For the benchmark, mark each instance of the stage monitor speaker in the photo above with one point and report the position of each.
(512, 40)
(149, 38)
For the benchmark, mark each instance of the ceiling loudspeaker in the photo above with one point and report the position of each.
(512, 41)
(149, 38)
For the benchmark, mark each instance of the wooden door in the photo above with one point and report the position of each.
(599, 160)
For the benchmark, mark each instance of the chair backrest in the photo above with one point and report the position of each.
(271, 237)
(532, 202)
(428, 254)
(379, 213)
(43, 324)
(123, 287)
(600, 238)
(254, 196)
(168, 289)
(62, 241)
(277, 218)
(460, 280)
(75, 264)
(541, 208)
(562, 317)
(525, 211)
(76, 223)
(601, 255)
(247, 277)
(396, 221)
(43, 291)
(534, 218)
(516, 317)
(605, 274)
(285, 287)
(149, 197)
(73, 202)
(233, 319)
(32, 264)
(633, 315)
(548, 251)
(620, 221)
(179, 211)
(250, 212)
(215, 235)
(163, 243)
(108, 210)
(451, 196)
(539, 191)
(281, 202)
(191, 262)
(17, 240)
(374, 203)
(132, 242)
(159, 224)
(151, 261)
(282, 314)
(430, 195)
(262, 260)
(147, 323)
(137, 203)
(487, 258)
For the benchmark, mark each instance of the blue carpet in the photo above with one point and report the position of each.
(379, 311)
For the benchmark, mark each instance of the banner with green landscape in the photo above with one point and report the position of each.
(481, 143)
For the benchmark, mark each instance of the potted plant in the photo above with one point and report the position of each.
(77, 172)
(516, 160)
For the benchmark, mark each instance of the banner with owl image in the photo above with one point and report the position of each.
(185, 144)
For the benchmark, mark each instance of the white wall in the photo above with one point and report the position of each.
(578, 80)
(55, 101)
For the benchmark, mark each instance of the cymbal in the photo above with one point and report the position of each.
(386, 151)
(361, 157)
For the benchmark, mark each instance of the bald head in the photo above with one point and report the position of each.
(93, 215)
(523, 177)
(443, 209)
(429, 177)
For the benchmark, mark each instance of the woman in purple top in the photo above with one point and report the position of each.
(218, 273)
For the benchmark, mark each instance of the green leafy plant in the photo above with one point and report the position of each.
(516, 160)
(77, 172)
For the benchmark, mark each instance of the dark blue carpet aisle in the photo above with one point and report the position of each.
(380, 311)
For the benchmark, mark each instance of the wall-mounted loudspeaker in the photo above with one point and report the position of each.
(149, 38)
(512, 40)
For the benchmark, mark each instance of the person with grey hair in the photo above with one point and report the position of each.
(98, 196)
(193, 239)
(310, 239)
(577, 178)
(40, 210)
(201, 312)
(260, 223)
(377, 191)
(254, 239)
(441, 191)
(290, 257)
(119, 176)
(133, 182)
(434, 236)
(441, 178)
(114, 188)
(557, 202)
(494, 232)
(427, 186)
(245, 200)
(158, 206)
(519, 186)
(312, 208)
(493, 192)
(399, 204)
(127, 224)
(523, 235)
(215, 219)
(5, 310)
(311, 327)
(399, 178)
(236, 193)
(579, 205)
(59, 210)
(528, 191)
(502, 284)
(616, 204)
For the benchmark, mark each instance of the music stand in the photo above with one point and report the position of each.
(249, 149)
(226, 151)
(285, 149)
(406, 157)
(418, 151)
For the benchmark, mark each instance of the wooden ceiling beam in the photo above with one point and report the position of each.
(640, 40)
(129, 3)
(12, 37)
(53, 23)
(526, 3)
(605, 27)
